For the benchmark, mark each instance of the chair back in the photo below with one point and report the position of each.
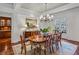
(48, 40)
(57, 36)
(22, 41)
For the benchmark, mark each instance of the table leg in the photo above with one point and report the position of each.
(40, 49)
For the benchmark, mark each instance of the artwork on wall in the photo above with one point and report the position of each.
(31, 23)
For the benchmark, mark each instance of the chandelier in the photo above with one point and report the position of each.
(46, 17)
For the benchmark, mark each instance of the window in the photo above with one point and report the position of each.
(61, 25)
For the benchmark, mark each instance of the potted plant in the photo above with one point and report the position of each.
(45, 30)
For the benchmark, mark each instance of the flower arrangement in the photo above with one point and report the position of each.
(45, 30)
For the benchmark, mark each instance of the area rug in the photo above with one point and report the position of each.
(65, 49)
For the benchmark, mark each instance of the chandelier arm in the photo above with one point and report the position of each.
(46, 17)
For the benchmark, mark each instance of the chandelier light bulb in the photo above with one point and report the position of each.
(41, 16)
(46, 17)
(52, 16)
(49, 17)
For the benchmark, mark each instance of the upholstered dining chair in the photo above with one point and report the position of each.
(57, 39)
(49, 45)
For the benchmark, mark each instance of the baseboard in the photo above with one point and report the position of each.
(15, 43)
(19, 42)
(71, 41)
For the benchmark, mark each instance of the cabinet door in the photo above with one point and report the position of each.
(2, 47)
(7, 34)
(1, 34)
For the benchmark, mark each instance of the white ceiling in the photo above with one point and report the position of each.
(40, 7)
(9, 5)
(36, 8)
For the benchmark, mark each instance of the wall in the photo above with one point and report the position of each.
(72, 18)
(18, 24)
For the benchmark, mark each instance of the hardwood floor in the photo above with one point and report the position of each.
(68, 48)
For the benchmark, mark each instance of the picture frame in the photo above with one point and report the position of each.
(31, 23)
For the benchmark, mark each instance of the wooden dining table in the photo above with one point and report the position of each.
(38, 40)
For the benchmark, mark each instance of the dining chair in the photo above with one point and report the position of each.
(33, 44)
(49, 45)
(31, 36)
(57, 39)
(23, 45)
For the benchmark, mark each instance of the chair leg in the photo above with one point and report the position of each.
(34, 51)
(31, 48)
(52, 49)
(40, 49)
(21, 50)
(60, 44)
(45, 51)
(25, 50)
(57, 45)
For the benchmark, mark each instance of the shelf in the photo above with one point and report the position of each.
(5, 30)
(5, 26)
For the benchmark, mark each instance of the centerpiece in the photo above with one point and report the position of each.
(45, 30)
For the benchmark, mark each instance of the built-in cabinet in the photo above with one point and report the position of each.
(5, 27)
(5, 32)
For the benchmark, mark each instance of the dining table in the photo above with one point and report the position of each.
(38, 41)
(41, 42)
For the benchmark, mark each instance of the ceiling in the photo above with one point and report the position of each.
(36, 7)
(40, 7)
(9, 5)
